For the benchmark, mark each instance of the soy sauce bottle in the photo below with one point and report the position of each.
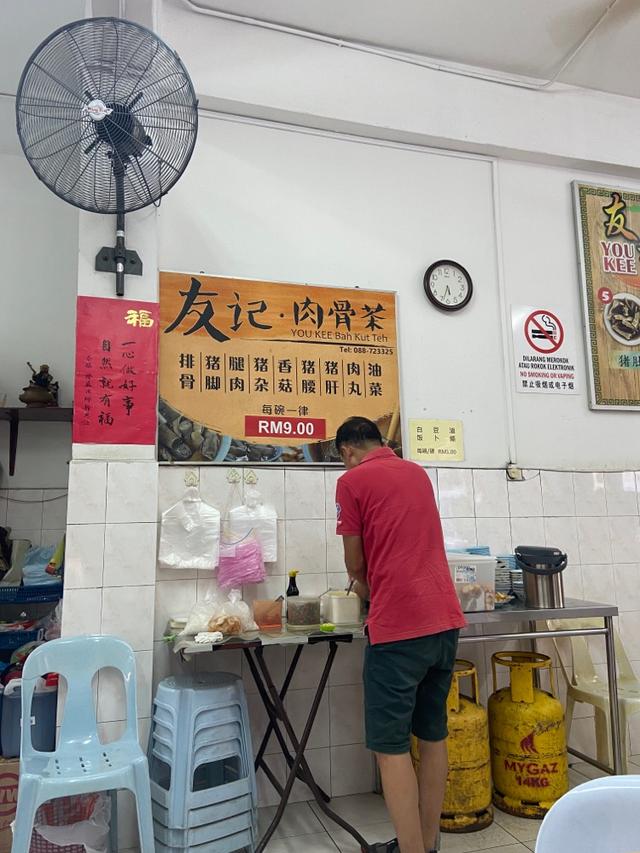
(292, 589)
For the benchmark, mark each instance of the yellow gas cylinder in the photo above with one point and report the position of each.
(467, 802)
(528, 743)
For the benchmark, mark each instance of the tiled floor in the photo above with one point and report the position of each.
(304, 829)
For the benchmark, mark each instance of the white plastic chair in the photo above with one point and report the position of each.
(594, 818)
(585, 685)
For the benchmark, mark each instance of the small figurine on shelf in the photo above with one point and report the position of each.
(41, 390)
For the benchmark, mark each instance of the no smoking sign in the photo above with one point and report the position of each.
(544, 332)
(544, 352)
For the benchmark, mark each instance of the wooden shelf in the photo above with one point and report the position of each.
(16, 414)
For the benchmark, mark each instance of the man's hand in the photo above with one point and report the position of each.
(354, 558)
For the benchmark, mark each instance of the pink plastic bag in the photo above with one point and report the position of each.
(240, 562)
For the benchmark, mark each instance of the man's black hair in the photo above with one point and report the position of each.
(358, 431)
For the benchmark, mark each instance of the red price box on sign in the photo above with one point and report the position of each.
(301, 429)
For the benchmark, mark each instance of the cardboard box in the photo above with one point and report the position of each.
(9, 773)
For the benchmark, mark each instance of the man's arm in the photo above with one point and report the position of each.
(356, 564)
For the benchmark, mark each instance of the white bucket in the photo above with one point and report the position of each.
(342, 609)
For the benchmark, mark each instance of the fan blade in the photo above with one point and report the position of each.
(90, 148)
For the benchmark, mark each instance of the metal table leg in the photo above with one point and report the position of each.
(619, 761)
(299, 769)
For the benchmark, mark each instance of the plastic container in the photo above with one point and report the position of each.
(474, 577)
(43, 718)
(340, 608)
(303, 613)
(268, 614)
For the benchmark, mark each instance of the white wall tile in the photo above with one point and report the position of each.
(331, 477)
(34, 535)
(347, 714)
(306, 546)
(598, 585)
(270, 588)
(572, 581)
(496, 533)
(557, 493)
(527, 531)
(593, 540)
(338, 580)
(525, 496)
(171, 485)
(312, 583)
(352, 770)
(130, 554)
(216, 490)
(298, 705)
(84, 556)
(267, 795)
(24, 510)
(274, 657)
(310, 666)
(432, 474)
(627, 586)
(111, 692)
(225, 660)
(490, 494)
(172, 598)
(259, 720)
(54, 509)
(562, 533)
(166, 662)
(127, 612)
(335, 550)
(455, 488)
(132, 492)
(589, 494)
(81, 612)
(305, 494)
(279, 567)
(51, 537)
(620, 492)
(459, 532)
(271, 486)
(629, 633)
(87, 500)
(348, 663)
(625, 538)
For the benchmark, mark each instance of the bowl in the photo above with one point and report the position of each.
(608, 324)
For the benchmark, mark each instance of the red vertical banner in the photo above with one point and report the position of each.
(116, 378)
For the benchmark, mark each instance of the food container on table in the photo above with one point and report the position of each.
(267, 614)
(340, 608)
(303, 612)
(474, 577)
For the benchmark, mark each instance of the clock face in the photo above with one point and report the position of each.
(448, 285)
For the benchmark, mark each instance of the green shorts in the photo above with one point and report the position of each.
(405, 691)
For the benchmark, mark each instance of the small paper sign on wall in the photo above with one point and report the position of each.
(436, 441)
(544, 351)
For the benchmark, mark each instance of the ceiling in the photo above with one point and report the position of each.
(531, 38)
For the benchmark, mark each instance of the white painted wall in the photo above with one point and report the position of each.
(38, 246)
(295, 206)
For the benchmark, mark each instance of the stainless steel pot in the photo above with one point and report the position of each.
(542, 575)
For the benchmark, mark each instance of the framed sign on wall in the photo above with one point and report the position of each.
(608, 227)
(256, 371)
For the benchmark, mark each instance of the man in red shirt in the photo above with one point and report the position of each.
(394, 551)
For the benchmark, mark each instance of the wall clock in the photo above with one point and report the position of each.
(448, 285)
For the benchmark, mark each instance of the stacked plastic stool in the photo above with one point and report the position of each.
(203, 785)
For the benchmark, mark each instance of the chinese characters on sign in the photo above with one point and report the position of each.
(436, 441)
(608, 225)
(544, 352)
(262, 371)
(116, 372)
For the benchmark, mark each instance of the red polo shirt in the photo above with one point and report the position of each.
(389, 502)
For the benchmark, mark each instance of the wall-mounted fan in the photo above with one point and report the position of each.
(107, 117)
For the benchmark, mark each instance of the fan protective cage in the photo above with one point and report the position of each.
(148, 105)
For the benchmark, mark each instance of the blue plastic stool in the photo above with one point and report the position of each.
(81, 764)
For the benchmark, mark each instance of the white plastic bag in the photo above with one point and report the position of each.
(254, 516)
(190, 534)
(216, 605)
(92, 833)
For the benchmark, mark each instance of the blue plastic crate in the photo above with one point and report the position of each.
(41, 594)
(10, 640)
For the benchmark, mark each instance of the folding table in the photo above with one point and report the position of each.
(253, 646)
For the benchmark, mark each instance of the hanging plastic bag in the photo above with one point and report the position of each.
(190, 534)
(254, 516)
(74, 824)
(241, 562)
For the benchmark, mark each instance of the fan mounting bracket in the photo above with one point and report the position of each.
(106, 261)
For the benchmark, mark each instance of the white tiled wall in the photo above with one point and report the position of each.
(594, 517)
(35, 514)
